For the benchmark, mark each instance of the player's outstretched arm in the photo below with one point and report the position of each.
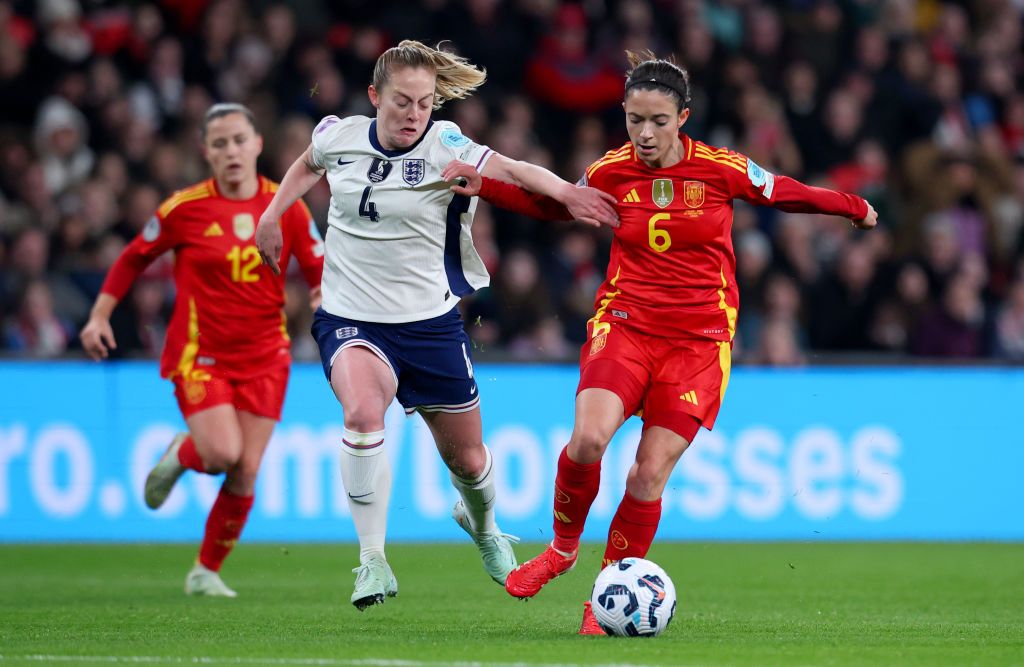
(793, 196)
(466, 180)
(301, 176)
(156, 238)
(586, 204)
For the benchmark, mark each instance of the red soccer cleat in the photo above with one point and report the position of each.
(589, 625)
(526, 580)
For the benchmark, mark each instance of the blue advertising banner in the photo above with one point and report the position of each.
(808, 454)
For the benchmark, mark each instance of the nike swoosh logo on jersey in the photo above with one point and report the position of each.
(361, 495)
(341, 162)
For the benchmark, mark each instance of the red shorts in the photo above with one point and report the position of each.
(262, 395)
(669, 382)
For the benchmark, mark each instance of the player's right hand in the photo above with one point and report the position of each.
(869, 220)
(467, 180)
(98, 338)
(590, 205)
(269, 241)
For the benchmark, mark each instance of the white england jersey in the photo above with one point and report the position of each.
(398, 245)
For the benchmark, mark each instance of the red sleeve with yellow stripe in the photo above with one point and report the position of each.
(156, 238)
(748, 181)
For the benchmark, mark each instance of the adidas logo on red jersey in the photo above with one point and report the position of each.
(631, 197)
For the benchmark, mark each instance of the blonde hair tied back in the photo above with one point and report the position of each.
(457, 78)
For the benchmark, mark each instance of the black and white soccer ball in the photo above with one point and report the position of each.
(633, 598)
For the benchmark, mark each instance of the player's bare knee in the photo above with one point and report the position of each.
(646, 480)
(467, 462)
(219, 457)
(364, 417)
(588, 445)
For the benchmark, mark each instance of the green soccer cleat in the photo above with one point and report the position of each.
(204, 581)
(495, 546)
(165, 474)
(374, 582)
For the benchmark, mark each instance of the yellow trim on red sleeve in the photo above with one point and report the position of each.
(721, 156)
(618, 155)
(198, 191)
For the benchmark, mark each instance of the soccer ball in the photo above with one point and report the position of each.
(633, 598)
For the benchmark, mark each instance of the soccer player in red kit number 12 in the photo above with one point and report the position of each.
(227, 349)
(659, 344)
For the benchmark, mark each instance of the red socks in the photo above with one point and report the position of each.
(188, 457)
(576, 486)
(223, 527)
(632, 529)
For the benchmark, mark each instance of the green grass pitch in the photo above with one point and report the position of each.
(739, 604)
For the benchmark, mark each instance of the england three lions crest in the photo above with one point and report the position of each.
(413, 171)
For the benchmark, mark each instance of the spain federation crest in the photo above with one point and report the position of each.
(244, 226)
(662, 192)
(693, 193)
(412, 171)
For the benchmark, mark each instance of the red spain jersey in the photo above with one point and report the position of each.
(672, 269)
(228, 312)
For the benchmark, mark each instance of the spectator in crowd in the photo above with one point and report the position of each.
(898, 314)
(954, 326)
(36, 330)
(61, 144)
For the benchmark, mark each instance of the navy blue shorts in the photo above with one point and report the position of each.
(430, 359)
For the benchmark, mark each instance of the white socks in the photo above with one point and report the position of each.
(366, 473)
(478, 496)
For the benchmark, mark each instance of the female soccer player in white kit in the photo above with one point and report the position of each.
(399, 255)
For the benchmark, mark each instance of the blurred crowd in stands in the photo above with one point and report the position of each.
(917, 106)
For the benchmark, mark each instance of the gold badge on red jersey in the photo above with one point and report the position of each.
(693, 193)
(662, 192)
(244, 226)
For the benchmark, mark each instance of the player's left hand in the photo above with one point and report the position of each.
(868, 221)
(269, 242)
(315, 297)
(467, 180)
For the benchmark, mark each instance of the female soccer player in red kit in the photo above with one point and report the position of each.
(659, 344)
(227, 350)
